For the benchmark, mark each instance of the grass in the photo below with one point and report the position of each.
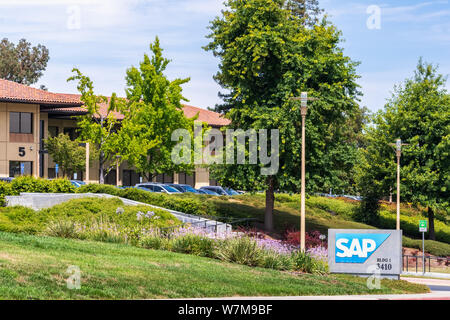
(85, 210)
(33, 267)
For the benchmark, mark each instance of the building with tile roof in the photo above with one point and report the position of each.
(29, 115)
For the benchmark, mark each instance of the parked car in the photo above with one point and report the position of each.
(77, 183)
(182, 187)
(219, 190)
(205, 191)
(157, 187)
(6, 179)
(231, 192)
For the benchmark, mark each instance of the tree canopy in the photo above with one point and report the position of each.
(268, 54)
(154, 112)
(22, 63)
(418, 113)
(100, 125)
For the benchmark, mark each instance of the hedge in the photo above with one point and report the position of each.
(31, 184)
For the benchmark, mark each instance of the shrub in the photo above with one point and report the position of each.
(305, 263)
(242, 250)
(312, 239)
(39, 185)
(5, 190)
(194, 244)
(62, 228)
(274, 260)
(154, 241)
(102, 230)
(21, 219)
(61, 186)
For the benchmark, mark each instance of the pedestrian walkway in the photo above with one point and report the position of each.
(428, 275)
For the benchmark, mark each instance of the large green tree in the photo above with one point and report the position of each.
(100, 126)
(154, 112)
(22, 63)
(419, 114)
(268, 54)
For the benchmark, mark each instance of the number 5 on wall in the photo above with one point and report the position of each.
(22, 152)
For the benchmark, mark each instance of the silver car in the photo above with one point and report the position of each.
(157, 187)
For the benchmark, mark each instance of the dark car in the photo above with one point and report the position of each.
(6, 179)
(231, 192)
(182, 187)
(205, 191)
(219, 190)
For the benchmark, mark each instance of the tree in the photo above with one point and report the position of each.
(268, 54)
(66, 153)
(154, 113)
(101, 124)
(308, 10)
(419, 114)
(22, 63)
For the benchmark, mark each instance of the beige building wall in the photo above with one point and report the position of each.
(11, 149)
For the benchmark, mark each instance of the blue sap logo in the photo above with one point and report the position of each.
(357, 247)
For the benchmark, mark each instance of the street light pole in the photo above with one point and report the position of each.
(398, 150)
(303, 111)
(399, 153)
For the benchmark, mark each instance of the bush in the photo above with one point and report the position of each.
(305, 263)
(312, 239)
(194, 244)
(5, 190)
(274, 260)
(243, 250)
(62, 229)
(154, 241)
(21, 219)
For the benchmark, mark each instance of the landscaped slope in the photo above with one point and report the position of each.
(34, 267)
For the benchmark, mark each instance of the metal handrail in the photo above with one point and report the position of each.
(205, 223)
(417, 258)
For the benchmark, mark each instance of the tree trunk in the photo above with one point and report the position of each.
(270, 201)
(431, 234)
(101, 175)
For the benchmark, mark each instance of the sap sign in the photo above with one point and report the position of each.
(356, 248)
(354, 251)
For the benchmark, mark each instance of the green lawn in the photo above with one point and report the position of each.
(33, 267)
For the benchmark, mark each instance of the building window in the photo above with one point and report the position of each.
(53, 131)
(21, 122)
(20, 168)
(71, 132)
(184, 178)
(130, 178)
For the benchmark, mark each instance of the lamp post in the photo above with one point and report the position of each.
(398, 150)
(303, 111)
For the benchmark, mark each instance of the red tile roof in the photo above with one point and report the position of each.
(14, 92)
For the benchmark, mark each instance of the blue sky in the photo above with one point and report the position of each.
(105, 37)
